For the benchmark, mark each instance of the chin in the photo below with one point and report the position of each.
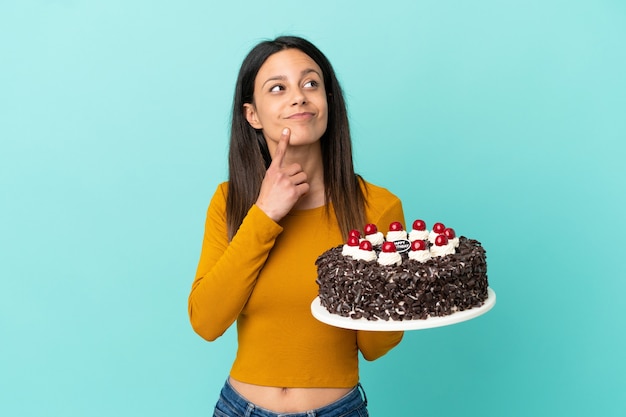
(305, 138)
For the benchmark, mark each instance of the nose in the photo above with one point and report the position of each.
(298, 97)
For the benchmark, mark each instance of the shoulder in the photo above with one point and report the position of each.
(222, 188)
(219, 196)
(374, 193)
(380, 203)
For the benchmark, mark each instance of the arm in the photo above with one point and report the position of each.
(372, 344)
(227, 271)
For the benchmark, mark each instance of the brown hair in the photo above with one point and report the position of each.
(247, 163)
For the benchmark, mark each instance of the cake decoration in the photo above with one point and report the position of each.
(389, 255)
(351, 247)
(442, 246)
(366, 252)
(419, 251)
(451, 235)
(396, 232)
(399, 237)
(355, 233)
(419, 231)
(373, 235)
(438, 229)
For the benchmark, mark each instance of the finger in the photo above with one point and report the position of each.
(292, 169)
(299, 178)
(281, 149)
(302, 188)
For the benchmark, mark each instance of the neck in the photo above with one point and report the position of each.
(316, 197)
(310, 159)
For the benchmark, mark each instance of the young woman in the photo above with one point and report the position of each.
(292, 194)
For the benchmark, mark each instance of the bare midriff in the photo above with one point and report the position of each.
(288, 400)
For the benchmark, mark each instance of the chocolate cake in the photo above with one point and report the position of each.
(436, 286)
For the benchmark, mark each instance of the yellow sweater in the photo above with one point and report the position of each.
(265, 280)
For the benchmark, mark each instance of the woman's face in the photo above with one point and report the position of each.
(289, 92)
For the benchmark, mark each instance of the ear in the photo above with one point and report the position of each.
(251, 116)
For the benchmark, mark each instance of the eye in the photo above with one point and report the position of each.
(311, 84)
(276, 88)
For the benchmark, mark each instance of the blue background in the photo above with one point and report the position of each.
(503, 119)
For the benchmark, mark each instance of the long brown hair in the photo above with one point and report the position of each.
(249, 156)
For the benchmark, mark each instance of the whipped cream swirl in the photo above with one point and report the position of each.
(376, 238)
(420, 255)
(392, 235)
(432, 236)
(365, 255)
(349, 250)
(442, 250)
(418, 235)
(389, 258)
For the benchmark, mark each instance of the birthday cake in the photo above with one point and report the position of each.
(402, 275)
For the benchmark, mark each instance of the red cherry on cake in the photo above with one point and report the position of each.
(355, 233)
(370, 229)
(441, 240)
(419, 225)
(449, 233)
(353, 241)
(396, 227)
(438, 227)
(418, 245)
(389, 247)
(365, 245)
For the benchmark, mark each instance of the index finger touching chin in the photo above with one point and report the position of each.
(281, 148)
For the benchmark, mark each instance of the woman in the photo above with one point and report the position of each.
(292, 194)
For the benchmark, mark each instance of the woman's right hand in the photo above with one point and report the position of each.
(283, 185)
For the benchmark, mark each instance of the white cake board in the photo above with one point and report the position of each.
(320, 313)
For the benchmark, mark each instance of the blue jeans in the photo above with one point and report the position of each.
(232, 404)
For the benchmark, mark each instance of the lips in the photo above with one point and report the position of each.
(301, 116)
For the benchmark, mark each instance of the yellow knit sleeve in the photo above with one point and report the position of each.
(227, 271)
(373, 345)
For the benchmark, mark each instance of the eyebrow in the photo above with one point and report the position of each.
(283, 77)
